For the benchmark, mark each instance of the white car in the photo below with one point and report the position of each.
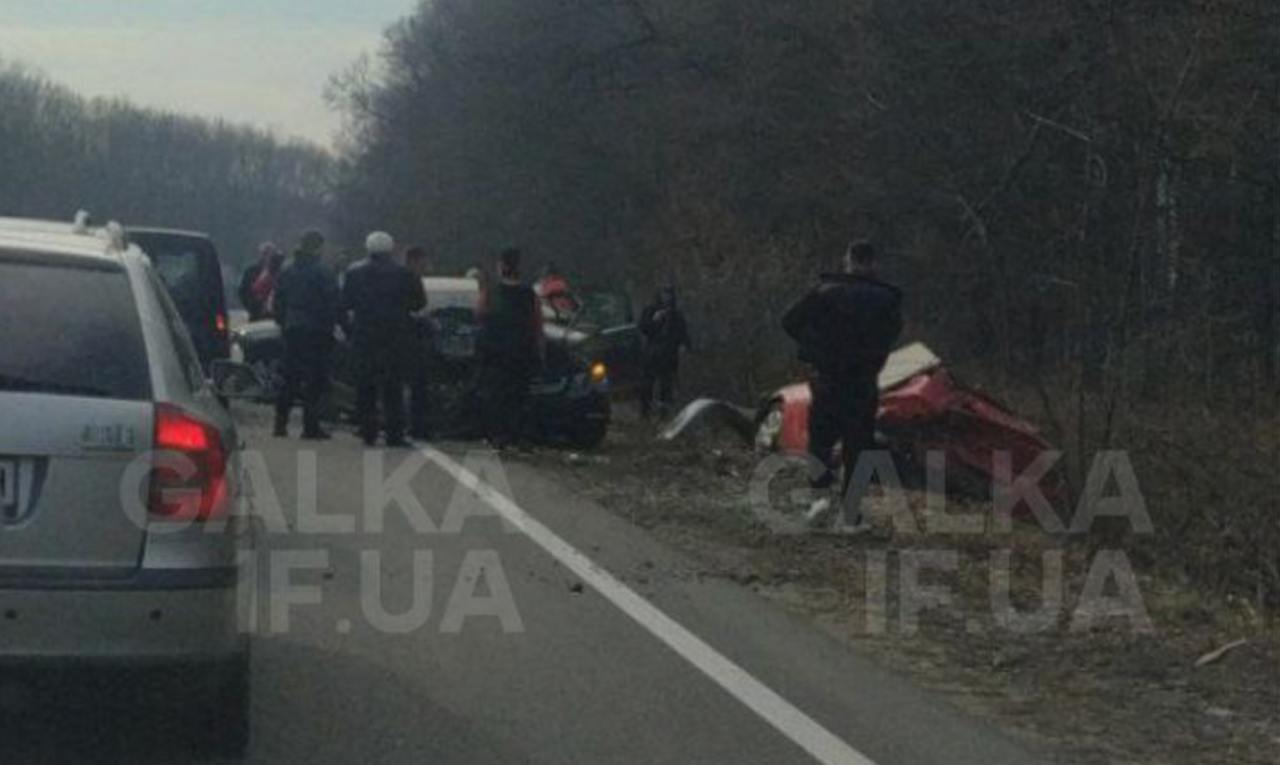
(118, 469)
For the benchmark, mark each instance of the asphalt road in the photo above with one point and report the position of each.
(609, 648)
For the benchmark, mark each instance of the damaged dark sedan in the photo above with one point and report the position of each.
(569, 399)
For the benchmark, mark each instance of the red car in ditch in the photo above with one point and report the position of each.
(923, 409)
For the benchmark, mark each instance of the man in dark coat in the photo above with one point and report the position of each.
(382, 296)
(665, 332)
(846, 327)
(307, 308)
(510, 346)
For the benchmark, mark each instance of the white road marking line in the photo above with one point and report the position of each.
(819, 742)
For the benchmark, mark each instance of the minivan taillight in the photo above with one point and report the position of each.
(189, 474)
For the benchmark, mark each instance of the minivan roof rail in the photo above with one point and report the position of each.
(113, 234)
(80, 224)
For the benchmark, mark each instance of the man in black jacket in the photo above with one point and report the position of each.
(382, 296)
(307, 309)
(846, 327)
(666, 333)
(510, 348)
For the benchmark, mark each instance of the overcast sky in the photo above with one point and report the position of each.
(260, 61)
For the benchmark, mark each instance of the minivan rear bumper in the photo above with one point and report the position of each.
(120, 626)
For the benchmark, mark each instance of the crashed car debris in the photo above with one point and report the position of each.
(569, 399)
(604, 329)
(923, 409)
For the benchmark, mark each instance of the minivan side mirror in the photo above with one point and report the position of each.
(233, 380)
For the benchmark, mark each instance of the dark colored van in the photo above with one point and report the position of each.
(188, 264)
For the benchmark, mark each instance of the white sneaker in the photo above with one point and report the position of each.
(855, 529)
(818, 512)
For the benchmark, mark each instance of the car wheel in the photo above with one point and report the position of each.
(227, 734)
(590, 434)
(271, 377)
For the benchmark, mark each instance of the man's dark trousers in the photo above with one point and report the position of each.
(843, 411)
(505, 385)
(380, 379)
(420, 383)
(419, 398)
(306, 376)
(659, 377)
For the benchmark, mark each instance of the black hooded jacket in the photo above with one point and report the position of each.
(665, 331)
(847, 325)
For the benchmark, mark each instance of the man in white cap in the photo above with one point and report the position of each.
(382, 297)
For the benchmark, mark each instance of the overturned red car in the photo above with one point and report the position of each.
(923, 409)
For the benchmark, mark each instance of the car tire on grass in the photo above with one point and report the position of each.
(590, 434)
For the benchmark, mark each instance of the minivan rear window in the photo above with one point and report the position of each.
(66, 329)
(188, 265)
(182, 267)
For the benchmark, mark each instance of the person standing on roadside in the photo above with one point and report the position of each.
(845, 327)
(249, 277)
(418, 261)
(666, 333)
(382, 296)
(511, 347)
(307, 308)
(481, 277)
(264, 287)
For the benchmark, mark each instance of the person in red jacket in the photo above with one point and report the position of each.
(264, 287)
(257, 310)
(554, 290)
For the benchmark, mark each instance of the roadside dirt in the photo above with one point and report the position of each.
(1102, 695)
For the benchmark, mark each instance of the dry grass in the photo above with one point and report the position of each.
(1108, 695)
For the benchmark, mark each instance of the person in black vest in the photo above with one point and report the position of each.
(665, 333)
(846, 327)
(510, 351)
(382, 296)
(307, 308)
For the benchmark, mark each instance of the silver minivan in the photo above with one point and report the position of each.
(119, 539)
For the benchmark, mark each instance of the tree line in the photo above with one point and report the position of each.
(1081, 197)
(61, 152)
